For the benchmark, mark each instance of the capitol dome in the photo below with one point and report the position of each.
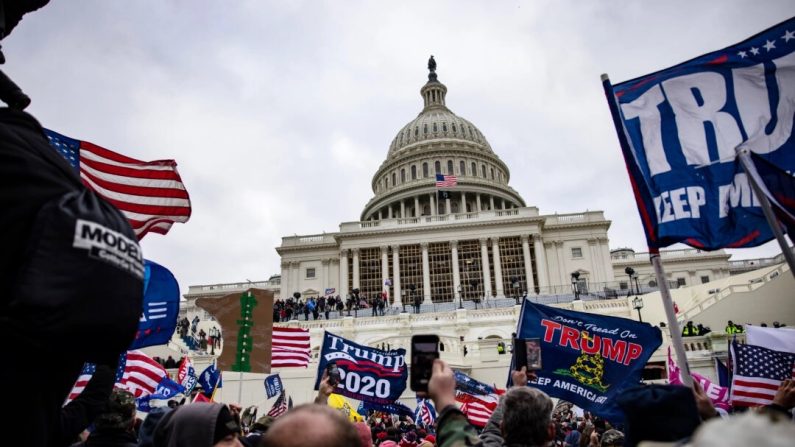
(438, 141)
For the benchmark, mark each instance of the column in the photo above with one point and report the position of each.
(503, 203)
(433, 204)
(528, 263)
(324, 278)
(426, 275)
(477, 200)
(463, 202)
(295, 269)
(285, 285)
(491, 202)
(564, 275)
(389, 211)
(484, 262)
(541, 261)
(456, 273)
(343, 290)
(384, 268)
(596, 264)
(402, 209)
(380, 215)
(417, 206)
(495, 250)
(447, 208)
(398, 297)
(355, 268)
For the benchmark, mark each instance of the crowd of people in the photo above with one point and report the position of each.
(292, 308)
(732, 328)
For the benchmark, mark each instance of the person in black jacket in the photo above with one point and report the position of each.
(115, 425)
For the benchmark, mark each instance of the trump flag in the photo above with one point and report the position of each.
(366, 374)
(680, 128)
(588, 359)
(161, 306)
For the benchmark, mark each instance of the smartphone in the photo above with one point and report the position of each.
(333, 373)
(424, 350)
(527, 352)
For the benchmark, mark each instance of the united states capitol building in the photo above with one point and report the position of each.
(467, 254)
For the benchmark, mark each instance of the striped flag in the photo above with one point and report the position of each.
(425, 414)
(279, 407)
(758, 372)
(446, 181)
(85, 375)
(478, 409)
(290, 347)
(140, 374)
(150, 194)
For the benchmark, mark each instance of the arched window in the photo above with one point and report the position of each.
(444, 127)
(462, 167)
(474, 169)
(450, 167)
(483, 170)
(425, 128)
(438, 166)
(394, 179)
(434, 128)
(416, 131)
(425, 170)
(426, 210)
(492, 173)
(403, 176)
(453, 127)
(413, 172)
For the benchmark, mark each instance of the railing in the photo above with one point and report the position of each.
(232, 286)
(591, 216)
(431, 220)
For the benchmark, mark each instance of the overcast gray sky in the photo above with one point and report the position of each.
(279, 113)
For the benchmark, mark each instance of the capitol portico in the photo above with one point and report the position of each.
(473, 241)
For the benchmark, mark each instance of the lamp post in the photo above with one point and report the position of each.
(637, 303)
(460, 298)
(355, 303)
(632, 275)
(412, 287)
(575, 276)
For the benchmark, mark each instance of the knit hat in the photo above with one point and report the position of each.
(658, 413)
(431, 439)
(147, 431)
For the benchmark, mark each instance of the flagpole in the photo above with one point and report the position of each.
(673, 325)
(665, 292)
(753, 178)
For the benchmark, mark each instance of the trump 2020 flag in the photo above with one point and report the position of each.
(273, 385)
(186, 375)
(679, 130)
(588, 359)
(367, 374)
(161, 306)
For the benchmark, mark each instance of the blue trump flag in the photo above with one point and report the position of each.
(273, 385)
(165, 390)
(394, 408)
(679, 130)
(160, 307)
(210, 379)
(588, 359)
(367, 374)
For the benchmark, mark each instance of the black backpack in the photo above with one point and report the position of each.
(71, 266)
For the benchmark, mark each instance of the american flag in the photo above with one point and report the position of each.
(446, 181)
(279, 407)
(139, 374)
(85, 375)
(758, 372)
(150, 194)
(478, 409)
(290, 347)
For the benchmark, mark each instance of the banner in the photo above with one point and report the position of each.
(186, 375)
(367, 374)
(719, 395)
(165, 390)
(680, 127)
(246, 321)
(340, 403)
(396, 407)
(588, 359)
(330, 291)
(273, 385)
(160, 307)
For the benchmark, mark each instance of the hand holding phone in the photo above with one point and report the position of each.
(424, 350)
(527, 353)
(333, 374)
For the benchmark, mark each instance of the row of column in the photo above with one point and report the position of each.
(390, 214)
(538, 249)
